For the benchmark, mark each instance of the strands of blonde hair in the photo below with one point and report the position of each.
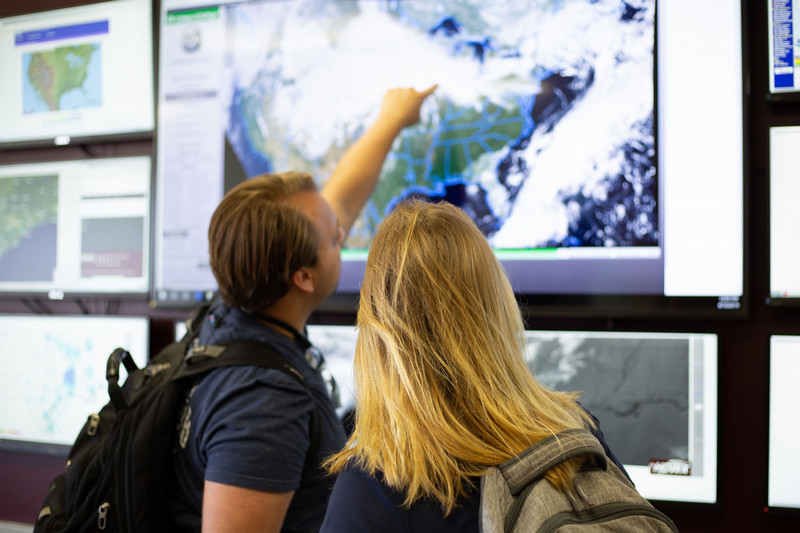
(442, 389)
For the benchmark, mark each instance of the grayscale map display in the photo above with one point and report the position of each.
(637, 388)
(541, 129)
(28, 227)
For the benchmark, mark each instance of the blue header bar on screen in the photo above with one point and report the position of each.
(61, 32)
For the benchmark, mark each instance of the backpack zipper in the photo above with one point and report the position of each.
(102, 516)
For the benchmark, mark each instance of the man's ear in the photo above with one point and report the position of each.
(303, 279)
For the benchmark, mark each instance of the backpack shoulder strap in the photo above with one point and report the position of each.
(534, 462)
(201, 359)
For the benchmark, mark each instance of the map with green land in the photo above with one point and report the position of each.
(63, 78)
(26, 204)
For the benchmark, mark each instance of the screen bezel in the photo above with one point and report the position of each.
(128, 134)
(40, 447)
(612, 305)
(771, 300)
(54, 293)
(774, 95)
(774, 510)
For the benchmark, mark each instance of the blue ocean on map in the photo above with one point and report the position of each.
(542, 126)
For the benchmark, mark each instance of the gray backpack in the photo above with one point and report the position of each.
(515, 497)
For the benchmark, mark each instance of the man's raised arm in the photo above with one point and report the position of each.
(356, 174)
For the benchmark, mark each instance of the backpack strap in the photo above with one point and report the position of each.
(521, 473)
(202, 359)
(534, 462)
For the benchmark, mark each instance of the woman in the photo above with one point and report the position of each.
(443, 392)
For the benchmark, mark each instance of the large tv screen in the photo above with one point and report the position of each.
(784, 188)
(655, 395)
(575, 134)
(784, 427)
(77, 73)
(71, 228)
(55, 375)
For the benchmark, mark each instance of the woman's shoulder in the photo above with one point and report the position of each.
(363, 502)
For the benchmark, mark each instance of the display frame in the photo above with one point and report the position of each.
(773, 299)
(775, 94)
(651, 485)
(585, 304)
(770, 509)
(138, 204)
(142, 123)
(139, 346)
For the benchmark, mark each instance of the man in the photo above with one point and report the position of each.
(274, 245)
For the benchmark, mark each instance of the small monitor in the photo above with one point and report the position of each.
(77, 73)
(338, 346)
(655, 395)
(784, 50)
(75, 227)
(54, 376)
(784, 425)
(784, 189)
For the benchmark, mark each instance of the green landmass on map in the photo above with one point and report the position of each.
(25, 203)
(451, 150)
(55, 72)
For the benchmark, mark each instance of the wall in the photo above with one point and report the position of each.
(743, 343)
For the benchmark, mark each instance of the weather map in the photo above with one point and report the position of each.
(542, 126)
(637, 387)
(63, 78)
(57, 375)
(28, 227)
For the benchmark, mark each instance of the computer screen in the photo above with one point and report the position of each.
(338, 347)
(784, 426)
(54, 376)
(784, 188)
(590, 178)
(655, 395)
(783, 49)
(75, 227)
(77, 73)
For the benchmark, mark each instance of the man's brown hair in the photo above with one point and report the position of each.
(257, 240)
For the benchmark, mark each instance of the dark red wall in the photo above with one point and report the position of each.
(24, 478)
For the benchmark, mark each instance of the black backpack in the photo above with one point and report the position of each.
(116, 475)
(515, 497)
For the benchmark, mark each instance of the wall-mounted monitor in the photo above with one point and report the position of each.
(585, 150)
(784, 188)
(71, 228)
(784, 426)
(55, 374)
(77, 74)
(338, 346)
(784, 50)
(655, 395)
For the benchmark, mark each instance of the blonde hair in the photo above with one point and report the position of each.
(442, 389)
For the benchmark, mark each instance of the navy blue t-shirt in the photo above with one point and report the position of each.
(249, 427)
(362, 503)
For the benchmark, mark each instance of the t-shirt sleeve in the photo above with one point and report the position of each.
(253, 428)
(361, 504)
